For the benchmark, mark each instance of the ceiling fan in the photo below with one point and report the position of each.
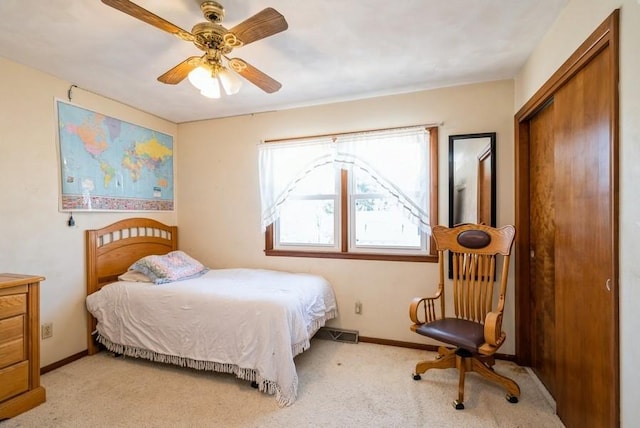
(217, 43)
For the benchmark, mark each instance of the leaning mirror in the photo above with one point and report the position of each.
(472, 182)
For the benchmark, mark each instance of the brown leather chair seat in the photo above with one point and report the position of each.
(455, 331)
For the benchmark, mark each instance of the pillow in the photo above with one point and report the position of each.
(174, 266)
(135, 276)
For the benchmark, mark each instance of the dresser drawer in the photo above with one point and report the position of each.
(14, 380)
(12, 343)
(13, 304)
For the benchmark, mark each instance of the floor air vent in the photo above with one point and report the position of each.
(337, 335)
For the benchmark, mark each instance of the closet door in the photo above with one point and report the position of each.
(586, 325)
(567, 243)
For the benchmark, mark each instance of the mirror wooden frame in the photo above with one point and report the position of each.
(476, 155)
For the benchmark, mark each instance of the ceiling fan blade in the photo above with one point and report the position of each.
(254, 75)
(262, 24)
(144, 15)
(180, 71)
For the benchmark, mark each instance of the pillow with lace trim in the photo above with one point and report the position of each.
(173, 266)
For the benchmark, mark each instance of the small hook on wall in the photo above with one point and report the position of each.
(70, 91)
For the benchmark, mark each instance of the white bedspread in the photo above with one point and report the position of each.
(250, 322)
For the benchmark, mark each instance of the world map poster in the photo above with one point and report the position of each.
(107, 164)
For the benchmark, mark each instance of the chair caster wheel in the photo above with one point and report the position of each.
(458, 405)
(416, 377)
(512, 398)
(254, 384)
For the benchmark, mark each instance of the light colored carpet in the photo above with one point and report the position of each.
(341, 385)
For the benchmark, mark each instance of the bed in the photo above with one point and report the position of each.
(248, 322)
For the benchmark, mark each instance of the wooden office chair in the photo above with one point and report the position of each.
(475, 327)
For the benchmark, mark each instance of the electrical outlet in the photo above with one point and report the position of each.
(359, 308)
(46, 331)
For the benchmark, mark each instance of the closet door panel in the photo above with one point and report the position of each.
(584, 264)
(542, 242)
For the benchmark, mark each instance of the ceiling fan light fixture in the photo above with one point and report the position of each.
(230, 81)
(200, 77)
(207, 78)
(211, 89)
(211, 93)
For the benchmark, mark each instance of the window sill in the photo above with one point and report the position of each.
(354, 256)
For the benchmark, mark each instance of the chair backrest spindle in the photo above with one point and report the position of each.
(474, 259)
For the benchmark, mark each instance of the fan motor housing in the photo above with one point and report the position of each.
(212, 11)
(210, 36)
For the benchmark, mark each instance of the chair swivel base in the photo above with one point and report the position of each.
(466, 362)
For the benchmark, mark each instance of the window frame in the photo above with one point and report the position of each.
(344, 253)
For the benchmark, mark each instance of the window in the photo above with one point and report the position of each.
(368, 195)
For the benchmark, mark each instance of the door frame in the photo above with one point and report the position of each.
(486, 191)
(606, 35)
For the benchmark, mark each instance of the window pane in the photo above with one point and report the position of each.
(320, 181)
(380, 222)
(403, 165)
(365, 184)
(304, 222)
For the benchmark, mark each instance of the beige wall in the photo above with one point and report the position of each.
(579, 19)
(218, 197)
(34, 237)
(219, 201)
(218, 194)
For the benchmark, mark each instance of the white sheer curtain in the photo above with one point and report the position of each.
(283, 165)
(397, 159)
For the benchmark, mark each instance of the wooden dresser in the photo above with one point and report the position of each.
(20, 388)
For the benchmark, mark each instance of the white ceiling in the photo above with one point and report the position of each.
(334, 50)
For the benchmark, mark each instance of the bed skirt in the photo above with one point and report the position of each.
(264, 385)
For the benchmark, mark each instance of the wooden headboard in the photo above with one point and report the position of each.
(111, 250)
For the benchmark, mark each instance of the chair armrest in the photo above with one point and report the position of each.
(423, 310)
(493, 334)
